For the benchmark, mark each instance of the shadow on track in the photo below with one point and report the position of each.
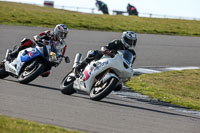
(34, 85)
(110, 100)
(149, 101)
(143, 108)
(114, 101)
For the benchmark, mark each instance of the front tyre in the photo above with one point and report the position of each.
(3, 73)
(31, 72)
(66, 85)
(100, 91)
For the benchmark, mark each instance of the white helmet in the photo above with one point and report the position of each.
(61, 31)
(129, 39)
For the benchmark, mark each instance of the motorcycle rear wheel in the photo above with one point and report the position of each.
(29, 75)
(67, 85)
(107, 88)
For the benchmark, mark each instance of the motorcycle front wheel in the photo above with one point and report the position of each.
(66, 85)
(3, 73)
(31, 72)
(100, 91)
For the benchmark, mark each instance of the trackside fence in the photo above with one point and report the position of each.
(113, 12)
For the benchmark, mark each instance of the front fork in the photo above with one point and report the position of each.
(7, 52)
(31, 66)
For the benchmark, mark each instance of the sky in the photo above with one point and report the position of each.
(180, 8)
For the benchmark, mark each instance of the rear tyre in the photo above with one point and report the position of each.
(66, 85)
(101, 91)
(32, 73)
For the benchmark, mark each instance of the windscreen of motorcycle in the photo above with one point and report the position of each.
(127, 55)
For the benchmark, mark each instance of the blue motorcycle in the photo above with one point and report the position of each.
(29, 64)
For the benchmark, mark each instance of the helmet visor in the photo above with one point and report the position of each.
(63, 35)
(130, 42)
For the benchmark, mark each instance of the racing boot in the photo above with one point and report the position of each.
(45, 74)
(79, 68)
(118, 88)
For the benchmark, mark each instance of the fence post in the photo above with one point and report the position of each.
(92, 10)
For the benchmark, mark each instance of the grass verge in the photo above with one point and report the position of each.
(23, 14)
(13, 125)
(176, 87)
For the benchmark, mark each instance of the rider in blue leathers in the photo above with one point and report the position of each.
(58, 45)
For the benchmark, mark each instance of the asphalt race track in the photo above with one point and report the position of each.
(42, 101)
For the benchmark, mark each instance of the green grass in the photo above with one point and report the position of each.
(13, 125)
(23, 14)
(176, 87)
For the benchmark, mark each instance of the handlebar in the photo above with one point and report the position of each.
(110, 53)
(40, 44)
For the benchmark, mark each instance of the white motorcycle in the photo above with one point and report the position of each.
(100, 77)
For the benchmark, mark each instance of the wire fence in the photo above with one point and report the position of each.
(113, 12)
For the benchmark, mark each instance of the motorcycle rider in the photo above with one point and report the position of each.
(102, 6)
(127, 42)
(55, 40)
(132, 10)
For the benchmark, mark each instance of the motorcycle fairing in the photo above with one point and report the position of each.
(28, 55)
(86, 74)
(116, 64)
(15, 66)
(84, 82)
